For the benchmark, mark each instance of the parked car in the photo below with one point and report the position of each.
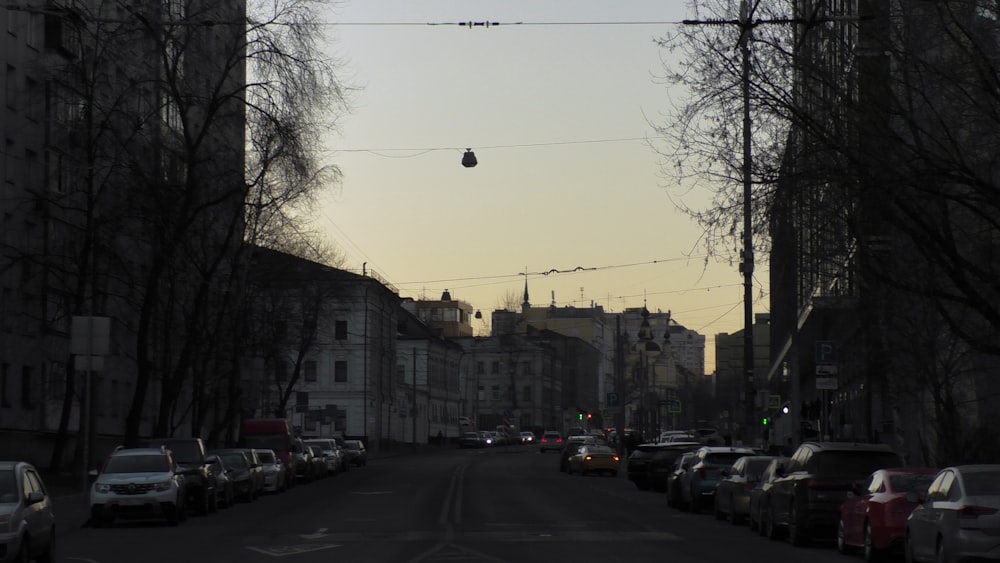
(550, 441)
(322, 461)
(331, 453)
(959, 519)
(189, 455)
(650, 464)
(593, 459)
(732, 494)
(681, 466)
(356, 452)
(487, 438)
(225, 490)
(760, 495)
(29, 523)
(697, 485)
(240, 472)
(302, 460)
(139, 483)
(471, 440)
(274, 470)
(874, 518)
(805, 500)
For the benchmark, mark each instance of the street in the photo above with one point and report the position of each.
(508, 504)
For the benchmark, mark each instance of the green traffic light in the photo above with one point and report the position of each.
(580, 416)
(764, 421)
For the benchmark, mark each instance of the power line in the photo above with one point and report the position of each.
(424, 150)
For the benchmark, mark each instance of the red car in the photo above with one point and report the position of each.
(874, 519)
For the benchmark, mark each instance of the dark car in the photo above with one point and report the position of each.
(199, 480)
(471, 440)
(225, 490)
(242, 473)
(732, 494)
(697, 485)
(760, 496)
(805, 500)
(357, 454)
(650, 464)
(681, 466)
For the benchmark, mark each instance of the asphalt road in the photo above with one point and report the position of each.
(504, 505)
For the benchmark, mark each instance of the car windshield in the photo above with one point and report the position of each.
(723, 458)
(861, 463)
(137, 464)
(267, 441)
(756, 467)
(353, 445)
(8, 486)
(266, 457)
(235, 461)
(982, 483)
(183, 452)
(906, 483)
(599, 449)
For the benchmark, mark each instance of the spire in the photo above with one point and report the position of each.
(526, 300)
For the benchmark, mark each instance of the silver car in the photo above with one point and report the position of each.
(27, 522)
(960, 517)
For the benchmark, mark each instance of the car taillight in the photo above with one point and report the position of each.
(701, 472)
(615, 458)
(545, 440)
(558, 440)
(588, 458)
(975, 511)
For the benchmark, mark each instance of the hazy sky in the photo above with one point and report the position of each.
(558, 115)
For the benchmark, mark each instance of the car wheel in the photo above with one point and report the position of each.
(942, 554)
(49, 555)
(842, 546)
(204, 503)
(718, 514)
(24, 555)
(796, 533)
(692, 505)
(770, 530)
(173, 515)
(908, 549)
(872, 553)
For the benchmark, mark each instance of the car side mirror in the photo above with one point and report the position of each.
(724, 473)
(912, 497)
(35, 497)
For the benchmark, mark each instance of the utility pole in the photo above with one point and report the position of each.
(746, 23)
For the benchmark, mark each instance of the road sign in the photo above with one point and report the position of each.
(773, 402)
(612, 400)
(826, 370)
(674, 406)
(826, 383)
(826, 352)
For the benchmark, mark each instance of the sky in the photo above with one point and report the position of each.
(568, 191)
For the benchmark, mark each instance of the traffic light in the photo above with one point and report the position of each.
(580, 416)
(590, 416)
(764, 421)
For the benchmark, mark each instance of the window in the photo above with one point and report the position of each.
(11, 89)
(481, 368)
(4, 389)
(340, 371)
(526, 393)
(35, 99)
(495, 368)
(496, 392)
(526, 368)
(26, 387)
(340, 330)
(281, 371)
(310, 370)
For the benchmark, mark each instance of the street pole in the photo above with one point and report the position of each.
(747, 265)
(414, 398)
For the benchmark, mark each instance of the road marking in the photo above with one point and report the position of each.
(283, 550)
(320, 533)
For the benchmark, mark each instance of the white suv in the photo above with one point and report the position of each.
(138, 483)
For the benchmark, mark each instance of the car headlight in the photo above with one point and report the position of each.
(103, 488)
(163, 486)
